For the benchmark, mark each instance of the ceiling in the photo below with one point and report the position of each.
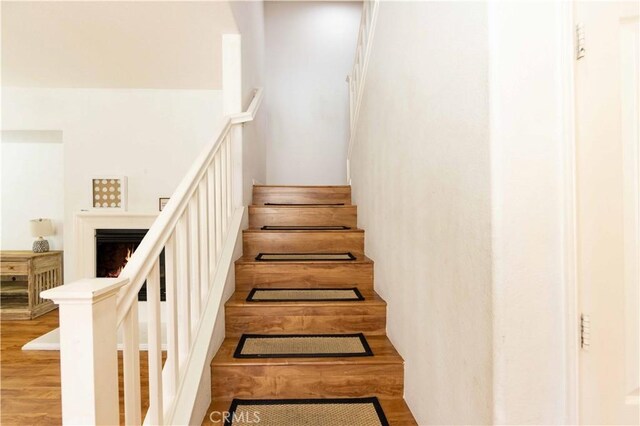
(140, 44)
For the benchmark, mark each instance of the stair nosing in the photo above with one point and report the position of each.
(250, 260)
(373, 300)
(301, 231)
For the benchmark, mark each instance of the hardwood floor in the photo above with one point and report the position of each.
(30, 380)
(30, 386)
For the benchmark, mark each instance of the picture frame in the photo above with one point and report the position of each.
(162, 203)
(109, 192)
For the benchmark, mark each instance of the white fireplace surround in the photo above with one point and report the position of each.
(84, 228)
(85, 224)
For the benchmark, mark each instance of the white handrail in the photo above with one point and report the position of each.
(139, 266)
(197, 232)
(356, 79)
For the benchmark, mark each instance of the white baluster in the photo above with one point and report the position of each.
(211, 200)
(183, 293)
(203, 238)
(223, 183)
(236, 168)
(194, 262)
(172, 364)
(229, 180)
(131, 362)
(218, 210)
(155, 413)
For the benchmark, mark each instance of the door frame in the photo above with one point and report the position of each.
(567, 109)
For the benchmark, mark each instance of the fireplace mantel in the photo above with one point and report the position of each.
(85, 224)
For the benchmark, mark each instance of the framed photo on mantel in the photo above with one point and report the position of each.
(162, 202)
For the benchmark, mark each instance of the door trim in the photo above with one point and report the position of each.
(567, 109)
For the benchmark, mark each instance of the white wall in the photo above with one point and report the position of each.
(421, 180)
(249, 17)
(32, 187)
(459, 175)
(150, 136)
(528, 183)
(310, 51)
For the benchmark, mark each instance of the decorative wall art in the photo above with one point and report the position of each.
(109, 192)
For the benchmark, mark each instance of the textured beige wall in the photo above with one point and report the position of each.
(421, 180)
(138, 44)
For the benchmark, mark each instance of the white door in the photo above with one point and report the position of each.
(608, 213)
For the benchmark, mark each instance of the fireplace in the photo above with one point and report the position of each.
(114, 247)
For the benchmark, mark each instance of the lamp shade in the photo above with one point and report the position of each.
(41, 227)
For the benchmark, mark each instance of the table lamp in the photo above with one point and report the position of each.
(41, 228)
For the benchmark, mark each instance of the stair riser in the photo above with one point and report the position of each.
(301, 195)
(303, 242)
(297, 275)
(302, 216)
(307, 381)
(291, 320)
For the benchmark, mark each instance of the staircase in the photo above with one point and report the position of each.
(288, 222)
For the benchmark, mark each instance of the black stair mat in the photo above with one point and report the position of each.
(302, 346)
(304, 295)
(304, 228)
(308, 411)
(308, 257)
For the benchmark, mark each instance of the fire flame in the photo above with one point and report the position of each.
(116, 273)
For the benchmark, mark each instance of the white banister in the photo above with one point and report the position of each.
(356, 79)
(196, 231)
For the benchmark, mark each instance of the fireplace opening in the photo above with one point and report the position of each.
(114, 248)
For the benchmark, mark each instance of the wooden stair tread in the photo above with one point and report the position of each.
(395, 410)
(251, 259)
(382, 348)
(303, 186)
(239, 299)
(305, 215)
(301, 206)
(295, 194)
(309, 231)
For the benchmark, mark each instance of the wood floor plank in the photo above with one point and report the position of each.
(28, 395)
(30, 380)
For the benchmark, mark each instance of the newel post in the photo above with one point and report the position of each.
(88, 350)
(232, 104)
